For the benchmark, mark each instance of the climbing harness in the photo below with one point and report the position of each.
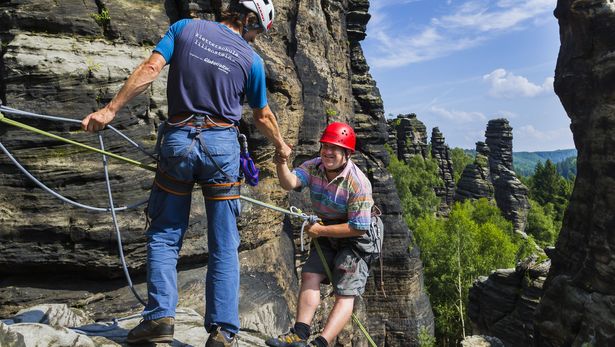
(213, 191)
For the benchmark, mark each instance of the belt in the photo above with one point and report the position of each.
(208, 121)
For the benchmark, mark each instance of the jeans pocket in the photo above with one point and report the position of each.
(175, 159)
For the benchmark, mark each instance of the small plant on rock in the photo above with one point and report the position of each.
(101, 18)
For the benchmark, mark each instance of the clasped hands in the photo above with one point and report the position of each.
(282, 154)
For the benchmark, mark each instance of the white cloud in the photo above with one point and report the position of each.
(468, 25)
(529, 132)
(507, 85)
(484, 16)
(456, 115)
(426, 45)
(528, 138)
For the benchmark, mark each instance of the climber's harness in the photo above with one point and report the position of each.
(211, 191)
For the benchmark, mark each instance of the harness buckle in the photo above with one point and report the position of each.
(199, 121)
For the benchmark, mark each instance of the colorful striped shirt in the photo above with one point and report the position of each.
(347, 197)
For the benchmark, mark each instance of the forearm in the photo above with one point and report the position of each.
(287, 179)
(137, 82)
(339, 231)
(266, 124)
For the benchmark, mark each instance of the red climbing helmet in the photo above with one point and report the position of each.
(339, 134)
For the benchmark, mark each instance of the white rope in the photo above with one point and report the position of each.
(307, 219)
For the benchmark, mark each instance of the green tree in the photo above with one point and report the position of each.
(568, 168)
(548, 187)
(460, 161)
(415, 184)
(474, 240)
(541, 223)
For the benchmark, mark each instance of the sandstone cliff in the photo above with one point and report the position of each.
(69, 57)
(490, 176)
(442, 154)
(577, 307)
(510, 194)
(475, 181)
(503, 304)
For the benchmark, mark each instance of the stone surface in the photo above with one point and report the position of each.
(481, 341)
(57, 59)
(442, 154)
(510, 194)
(577, 307)
(410, 136)
(403, 270)
(475, 180)
(189, 331)
(503, 304)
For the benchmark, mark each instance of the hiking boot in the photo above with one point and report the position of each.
(218, 339)
(152, 331)
(290, 339)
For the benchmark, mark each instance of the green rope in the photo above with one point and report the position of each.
(330, 277)
(152, 168)
(93, 149)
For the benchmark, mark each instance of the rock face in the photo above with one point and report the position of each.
(68, 58)
(577, 306)
(404, 292)
(442, 154)
(492, 175)
(503, 304)
(481, 341)
(475, 181)
(410, 136)
(26, 330)
(510, 193)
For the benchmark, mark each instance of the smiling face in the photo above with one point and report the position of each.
(333, 157)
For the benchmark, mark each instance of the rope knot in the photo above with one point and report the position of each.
(307, 219)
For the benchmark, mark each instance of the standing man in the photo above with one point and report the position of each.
(341, 197)
(212, 69)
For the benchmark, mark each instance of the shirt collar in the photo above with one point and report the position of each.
(339, 176)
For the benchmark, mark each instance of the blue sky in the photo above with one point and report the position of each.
(459, 63)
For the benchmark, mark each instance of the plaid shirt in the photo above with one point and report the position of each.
(347, 197)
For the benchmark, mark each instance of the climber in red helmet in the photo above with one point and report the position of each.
(341, 197)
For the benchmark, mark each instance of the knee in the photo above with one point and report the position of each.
(344, 299)
(311, 279)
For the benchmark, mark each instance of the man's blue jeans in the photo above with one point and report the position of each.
(183, 158)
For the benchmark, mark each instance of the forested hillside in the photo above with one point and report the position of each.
(525, 162)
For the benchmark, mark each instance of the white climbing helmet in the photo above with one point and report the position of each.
(263, 9)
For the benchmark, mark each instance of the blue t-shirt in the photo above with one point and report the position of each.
(212, 69)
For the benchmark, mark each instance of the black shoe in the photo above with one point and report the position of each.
(152, 331)
(218, 339)
(290, 339)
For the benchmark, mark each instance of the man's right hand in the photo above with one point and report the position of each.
(98, 120)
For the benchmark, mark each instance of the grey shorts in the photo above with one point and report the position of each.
(349, 270)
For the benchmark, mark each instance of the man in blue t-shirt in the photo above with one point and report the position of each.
(212, 70)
